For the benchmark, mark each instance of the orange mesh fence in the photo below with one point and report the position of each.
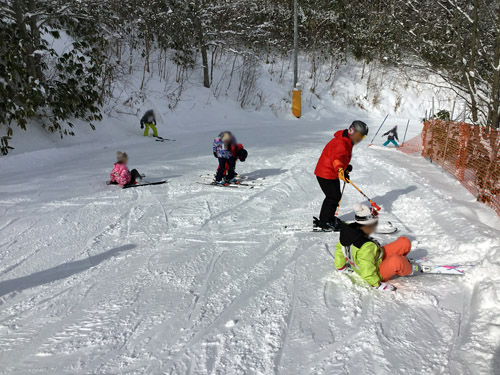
(413, 145)
(470, 153)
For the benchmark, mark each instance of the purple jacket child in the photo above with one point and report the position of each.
(223, 145)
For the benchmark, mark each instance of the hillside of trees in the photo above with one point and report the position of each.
(40, 83)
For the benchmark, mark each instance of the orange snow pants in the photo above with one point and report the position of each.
(394, 261)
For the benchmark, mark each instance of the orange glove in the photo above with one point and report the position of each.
(340, 171)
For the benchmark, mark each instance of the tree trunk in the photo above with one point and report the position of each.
(494, 105)
(471, 79)
(20, 9)
(212, 63)
(203, 47)
(147, 52)
(131, 55)
(35, 38)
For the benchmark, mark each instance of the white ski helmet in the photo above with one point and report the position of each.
(365, 215)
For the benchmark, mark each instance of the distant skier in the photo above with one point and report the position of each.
(374, 263)
(391, 135)
(120, 175)
(149, 121)
(223, 149)
(239, 153)
(333, 166)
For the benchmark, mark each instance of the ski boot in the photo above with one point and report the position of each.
(320, 226)
(220, 183)
(337, 224)
(416, 268)
(234, 181)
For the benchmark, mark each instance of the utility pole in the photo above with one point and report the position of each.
(297, 89)
(295, 42)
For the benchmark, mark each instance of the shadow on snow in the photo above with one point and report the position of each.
(59, 272)
(262, 173)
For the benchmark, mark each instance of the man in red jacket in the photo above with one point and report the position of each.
(333, 166)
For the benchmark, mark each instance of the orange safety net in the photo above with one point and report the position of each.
(412, 146)
(470, 153)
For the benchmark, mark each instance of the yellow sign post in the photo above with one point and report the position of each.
(297, 101)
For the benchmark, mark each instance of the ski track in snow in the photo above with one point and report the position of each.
(185, 278)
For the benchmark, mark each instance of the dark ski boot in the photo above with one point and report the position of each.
(325, 227)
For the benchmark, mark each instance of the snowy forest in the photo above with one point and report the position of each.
(459, 40)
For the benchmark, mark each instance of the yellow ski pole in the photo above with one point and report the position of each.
(375, 205)
(340, 200)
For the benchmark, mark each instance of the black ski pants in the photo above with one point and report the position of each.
(231, 163)
(331, 188)
(134, 174)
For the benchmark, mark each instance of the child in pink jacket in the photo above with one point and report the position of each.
(120, 175)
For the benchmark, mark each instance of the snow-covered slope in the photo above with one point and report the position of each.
(184, 278)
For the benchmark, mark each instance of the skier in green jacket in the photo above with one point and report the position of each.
(376, 264)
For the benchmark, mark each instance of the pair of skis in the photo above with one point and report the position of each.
(231, 185)
(241, 181)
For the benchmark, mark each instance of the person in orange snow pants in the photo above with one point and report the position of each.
(359, 252)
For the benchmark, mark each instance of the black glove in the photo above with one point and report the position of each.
(215, 154)
(243, 155)
(142, 126)
(347, 171)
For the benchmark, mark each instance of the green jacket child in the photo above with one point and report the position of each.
(374, 263)
(363, 253)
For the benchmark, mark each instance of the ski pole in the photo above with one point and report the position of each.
(340, 200)
(383, 122)
(404, 139)
(375, 205)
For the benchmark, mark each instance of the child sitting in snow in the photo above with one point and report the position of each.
(374, 263)
(120, 175)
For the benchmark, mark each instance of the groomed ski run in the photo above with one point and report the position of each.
(180, 278)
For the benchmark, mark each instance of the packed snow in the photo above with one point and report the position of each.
(187, 278)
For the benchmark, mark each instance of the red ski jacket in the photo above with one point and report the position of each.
(336, 154)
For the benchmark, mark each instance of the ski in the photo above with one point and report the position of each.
(232, 184)
(222, 186)
(161, 139)
(443, 269)
(237, 183)
(388, 229)
(241, 178)
(245, 184)
(295, 229)
(144, 184)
